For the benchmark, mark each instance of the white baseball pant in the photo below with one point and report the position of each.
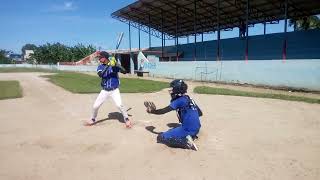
(103, 96)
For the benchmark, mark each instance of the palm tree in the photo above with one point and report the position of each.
(305, 23)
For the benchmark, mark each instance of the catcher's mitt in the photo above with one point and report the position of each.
(150, 106)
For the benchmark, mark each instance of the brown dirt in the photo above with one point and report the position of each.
(42, 137)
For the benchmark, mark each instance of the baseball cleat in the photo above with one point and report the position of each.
(191, 144)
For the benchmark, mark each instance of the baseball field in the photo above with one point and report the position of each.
(42, 137)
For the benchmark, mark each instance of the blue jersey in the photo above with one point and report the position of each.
(187, 113)
(110, 79)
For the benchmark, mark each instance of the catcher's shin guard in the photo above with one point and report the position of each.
(173, 142)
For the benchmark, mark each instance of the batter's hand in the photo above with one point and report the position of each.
(150, 106)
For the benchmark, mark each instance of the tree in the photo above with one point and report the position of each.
(3, 58)
(80, 51)
(27, 47)
(305, 23)
(53, 53)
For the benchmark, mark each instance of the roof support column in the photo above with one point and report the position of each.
(284, 51)
(218, 29)
(247, 32)
(161, 34)
(131, 60)
(264, 27)
(202, 42)
(177, 38)
(149, 32)
(202, 36)
(195, 30)
(139, 37)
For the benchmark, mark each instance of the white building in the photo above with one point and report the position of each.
(27, 54)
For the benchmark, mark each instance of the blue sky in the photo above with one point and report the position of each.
(77, 21)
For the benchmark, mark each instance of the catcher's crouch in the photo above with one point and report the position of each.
(188, 114)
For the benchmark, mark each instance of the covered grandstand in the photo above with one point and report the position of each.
(169, 19)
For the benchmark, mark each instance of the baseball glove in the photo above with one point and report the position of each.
(112, 61)
(150, 106)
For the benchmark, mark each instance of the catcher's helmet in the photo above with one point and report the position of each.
(178, 86)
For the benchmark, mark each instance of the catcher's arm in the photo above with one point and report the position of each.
(151, 108)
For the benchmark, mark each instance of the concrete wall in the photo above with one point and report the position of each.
(293, 73)
(81, 68)
(265, 66)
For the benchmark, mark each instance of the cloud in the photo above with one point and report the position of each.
(66, 6)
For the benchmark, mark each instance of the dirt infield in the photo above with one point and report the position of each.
(42, 137)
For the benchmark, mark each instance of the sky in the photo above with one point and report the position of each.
(80, 21)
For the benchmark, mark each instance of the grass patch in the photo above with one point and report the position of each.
(223, 91)
(10, 89)
(23, 69)
(84, 83)
(132, 85)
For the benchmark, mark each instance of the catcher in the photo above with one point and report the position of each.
(188, 114)
(108, 72)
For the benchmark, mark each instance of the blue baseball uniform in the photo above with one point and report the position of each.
(110, 77)
(188, 114)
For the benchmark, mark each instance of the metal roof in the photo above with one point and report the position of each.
(153, 13)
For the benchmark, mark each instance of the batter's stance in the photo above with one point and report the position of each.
(108, 72)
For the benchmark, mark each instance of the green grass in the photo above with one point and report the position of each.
(10, 89)
(84, 83)
(22, 69)
(223, 91)
(130, 85)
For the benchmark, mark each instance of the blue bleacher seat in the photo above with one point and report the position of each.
(300, 45)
